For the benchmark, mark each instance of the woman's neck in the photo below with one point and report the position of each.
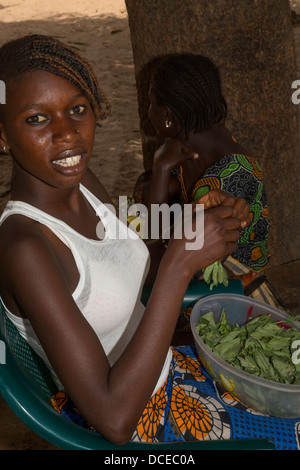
(31, 190)
(67, 204)
(213, 144)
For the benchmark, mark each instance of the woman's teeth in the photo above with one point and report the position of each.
(69, 161)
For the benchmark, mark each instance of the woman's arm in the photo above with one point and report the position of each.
(107, 396)
(168, 157)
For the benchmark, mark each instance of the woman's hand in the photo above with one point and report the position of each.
(219, 232)
(216, 197)
(171, 155)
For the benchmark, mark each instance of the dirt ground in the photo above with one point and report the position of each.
(99, 29)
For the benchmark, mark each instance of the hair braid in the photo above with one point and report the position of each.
(190, 86)
(39, 52)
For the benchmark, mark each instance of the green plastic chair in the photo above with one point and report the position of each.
(26, 385)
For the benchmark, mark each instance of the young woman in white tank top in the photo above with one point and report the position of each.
(73, 296)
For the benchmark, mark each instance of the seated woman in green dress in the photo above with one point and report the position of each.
(200, 156)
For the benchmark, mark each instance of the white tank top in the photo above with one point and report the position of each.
(111, 276)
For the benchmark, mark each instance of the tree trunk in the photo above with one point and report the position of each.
(252, 43)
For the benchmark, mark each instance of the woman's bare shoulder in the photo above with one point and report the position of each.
(20, 239)
(30, 270)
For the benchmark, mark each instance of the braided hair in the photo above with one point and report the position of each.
(39, 52)
(190, 85)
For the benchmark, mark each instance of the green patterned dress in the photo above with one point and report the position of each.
(241, 176)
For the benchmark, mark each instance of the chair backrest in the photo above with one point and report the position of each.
(30, 364)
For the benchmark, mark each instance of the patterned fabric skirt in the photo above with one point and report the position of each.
(190, 406)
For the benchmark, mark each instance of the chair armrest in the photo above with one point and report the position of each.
(198, 289)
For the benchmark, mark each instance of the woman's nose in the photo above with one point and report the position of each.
(64, 130)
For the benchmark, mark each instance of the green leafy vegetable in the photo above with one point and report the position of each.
(215, 274)
(261, 346)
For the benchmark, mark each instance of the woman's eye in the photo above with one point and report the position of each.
(36, 119)
(79, 109)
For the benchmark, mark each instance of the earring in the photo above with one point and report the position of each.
(4, 148)
(168, 123)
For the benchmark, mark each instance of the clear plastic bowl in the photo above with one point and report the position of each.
(268, 397)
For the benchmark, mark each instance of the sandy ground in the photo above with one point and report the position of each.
(99, 29)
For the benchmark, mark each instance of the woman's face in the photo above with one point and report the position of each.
(49, 128)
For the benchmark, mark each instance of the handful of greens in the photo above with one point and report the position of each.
(262, 346)
(215, 274)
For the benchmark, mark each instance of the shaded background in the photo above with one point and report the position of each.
(252, 44)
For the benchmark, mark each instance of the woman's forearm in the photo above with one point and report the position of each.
(133, 377)
(158, 194)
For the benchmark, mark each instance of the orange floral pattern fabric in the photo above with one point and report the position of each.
(152, 416)
(190, 406)
(179, 411)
